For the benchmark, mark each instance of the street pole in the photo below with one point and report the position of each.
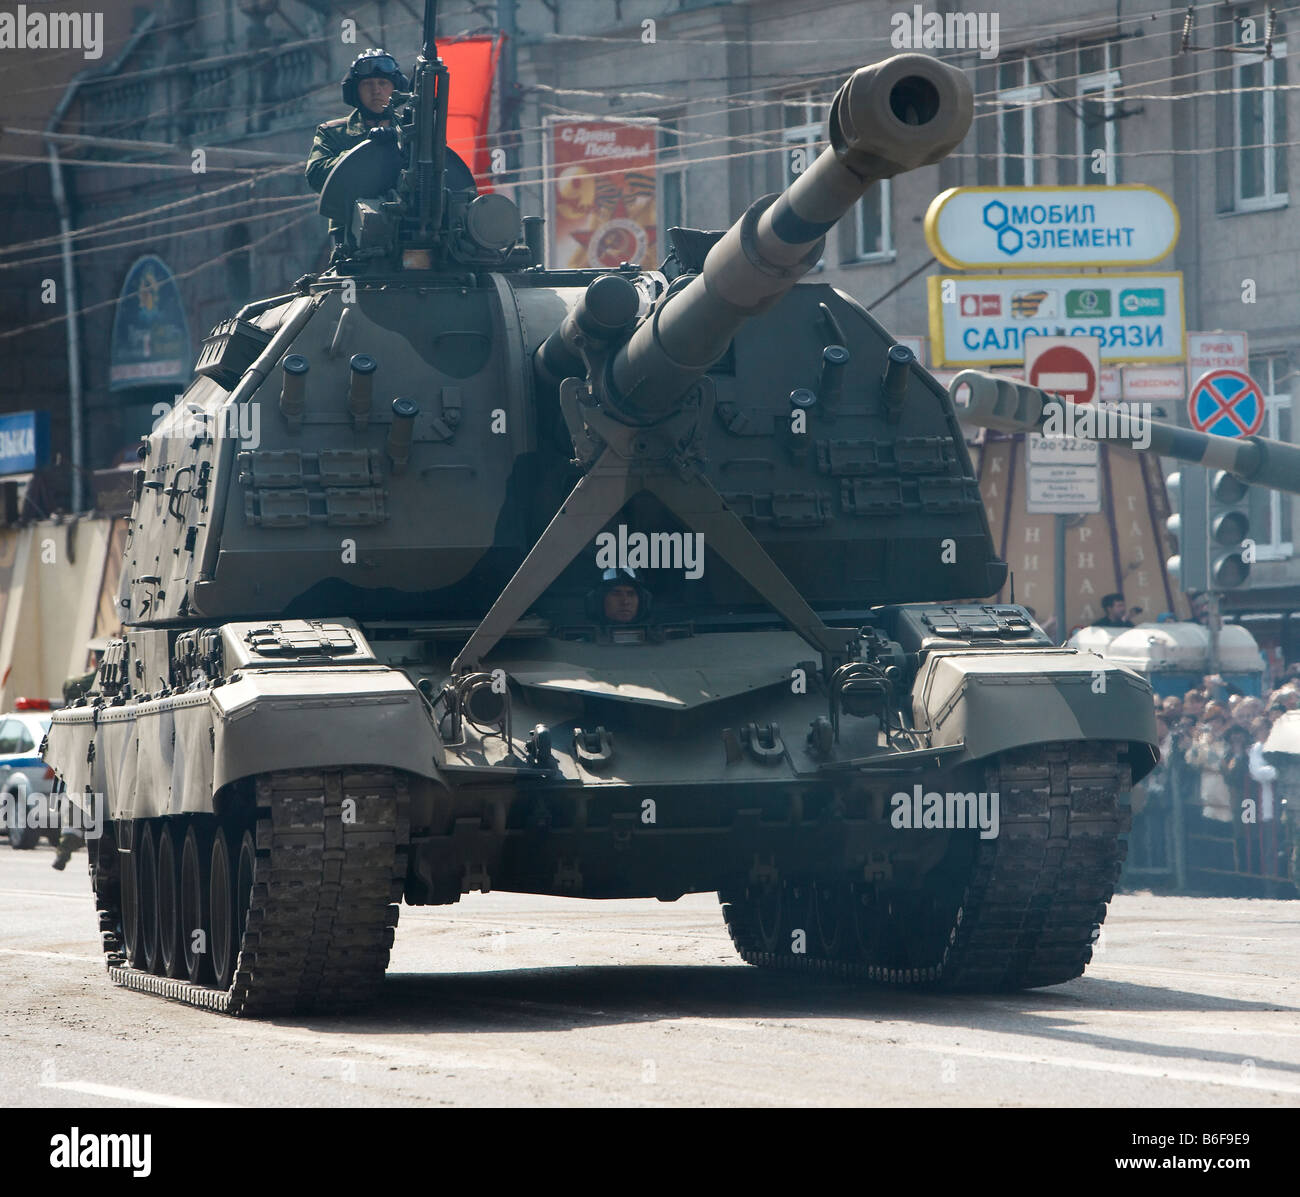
(508, 83)
(1212, 595)
(1214, 618)
(1178, 823)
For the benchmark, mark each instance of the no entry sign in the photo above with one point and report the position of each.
(1226, 403)
(1062, 368)
(1063, 475)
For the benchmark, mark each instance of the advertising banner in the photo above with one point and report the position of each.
(983, 319)
(151, 340)
(600, 193)
(1018, 227)
(24, 441)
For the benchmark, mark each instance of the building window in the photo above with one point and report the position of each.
(1259, 129)
(673, 210)
(1017, 125)
(868, 235)
(804, 130)
(239, 265)
(804, 134)
(1271, 510)
(672, 178)
(1096, 116)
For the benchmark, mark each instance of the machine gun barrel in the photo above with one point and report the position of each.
(429, 42)
(1005, 405)
(430, 149)
(894, 116)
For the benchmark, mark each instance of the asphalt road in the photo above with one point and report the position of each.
(509, 999)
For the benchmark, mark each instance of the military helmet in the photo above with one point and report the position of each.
(368, 64)
(624, 575)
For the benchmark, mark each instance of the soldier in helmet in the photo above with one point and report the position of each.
(373, 86)
(620, 598)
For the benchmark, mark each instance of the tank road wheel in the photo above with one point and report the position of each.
(105, 879)
(169, 910)
(864, 922)
(758, 918)
(129, 870)
(221, 911)
(769, 915)
(245, 873)
(194, 906)
(829, 918)
(147, 888)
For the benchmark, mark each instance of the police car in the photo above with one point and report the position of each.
(26, 812)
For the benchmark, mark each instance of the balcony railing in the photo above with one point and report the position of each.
(249, 93)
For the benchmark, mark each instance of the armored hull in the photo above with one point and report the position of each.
(365, 658)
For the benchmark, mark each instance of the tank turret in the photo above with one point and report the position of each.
(1006, 405)
(900, 114)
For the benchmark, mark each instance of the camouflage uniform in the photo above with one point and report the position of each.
(333, 140)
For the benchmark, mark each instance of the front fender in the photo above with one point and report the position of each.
(999, 700)
(321, 719)
(171, 755)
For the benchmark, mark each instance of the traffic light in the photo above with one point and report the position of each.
(1187, 526)
(1230, 549)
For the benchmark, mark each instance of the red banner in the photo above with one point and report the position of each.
(471, 65)
(600, 192)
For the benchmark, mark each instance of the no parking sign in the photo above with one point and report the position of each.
(1226, 403)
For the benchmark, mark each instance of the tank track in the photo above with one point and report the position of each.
(1033, 901)
(322, 910)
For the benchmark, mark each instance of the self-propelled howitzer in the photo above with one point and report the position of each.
(368, 653)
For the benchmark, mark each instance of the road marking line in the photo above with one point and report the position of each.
(138, 1095)
(1221, 938)
(1161, 1074)
(51, 955)
(43, 893)
(1102, 966)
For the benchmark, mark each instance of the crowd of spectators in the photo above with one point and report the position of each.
(1212, 764)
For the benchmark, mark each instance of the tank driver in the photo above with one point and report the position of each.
(619, 598)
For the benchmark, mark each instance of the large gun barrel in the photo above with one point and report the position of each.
(894, 116)
(1005, 405)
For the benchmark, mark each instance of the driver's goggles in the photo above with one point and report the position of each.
(383, 65)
